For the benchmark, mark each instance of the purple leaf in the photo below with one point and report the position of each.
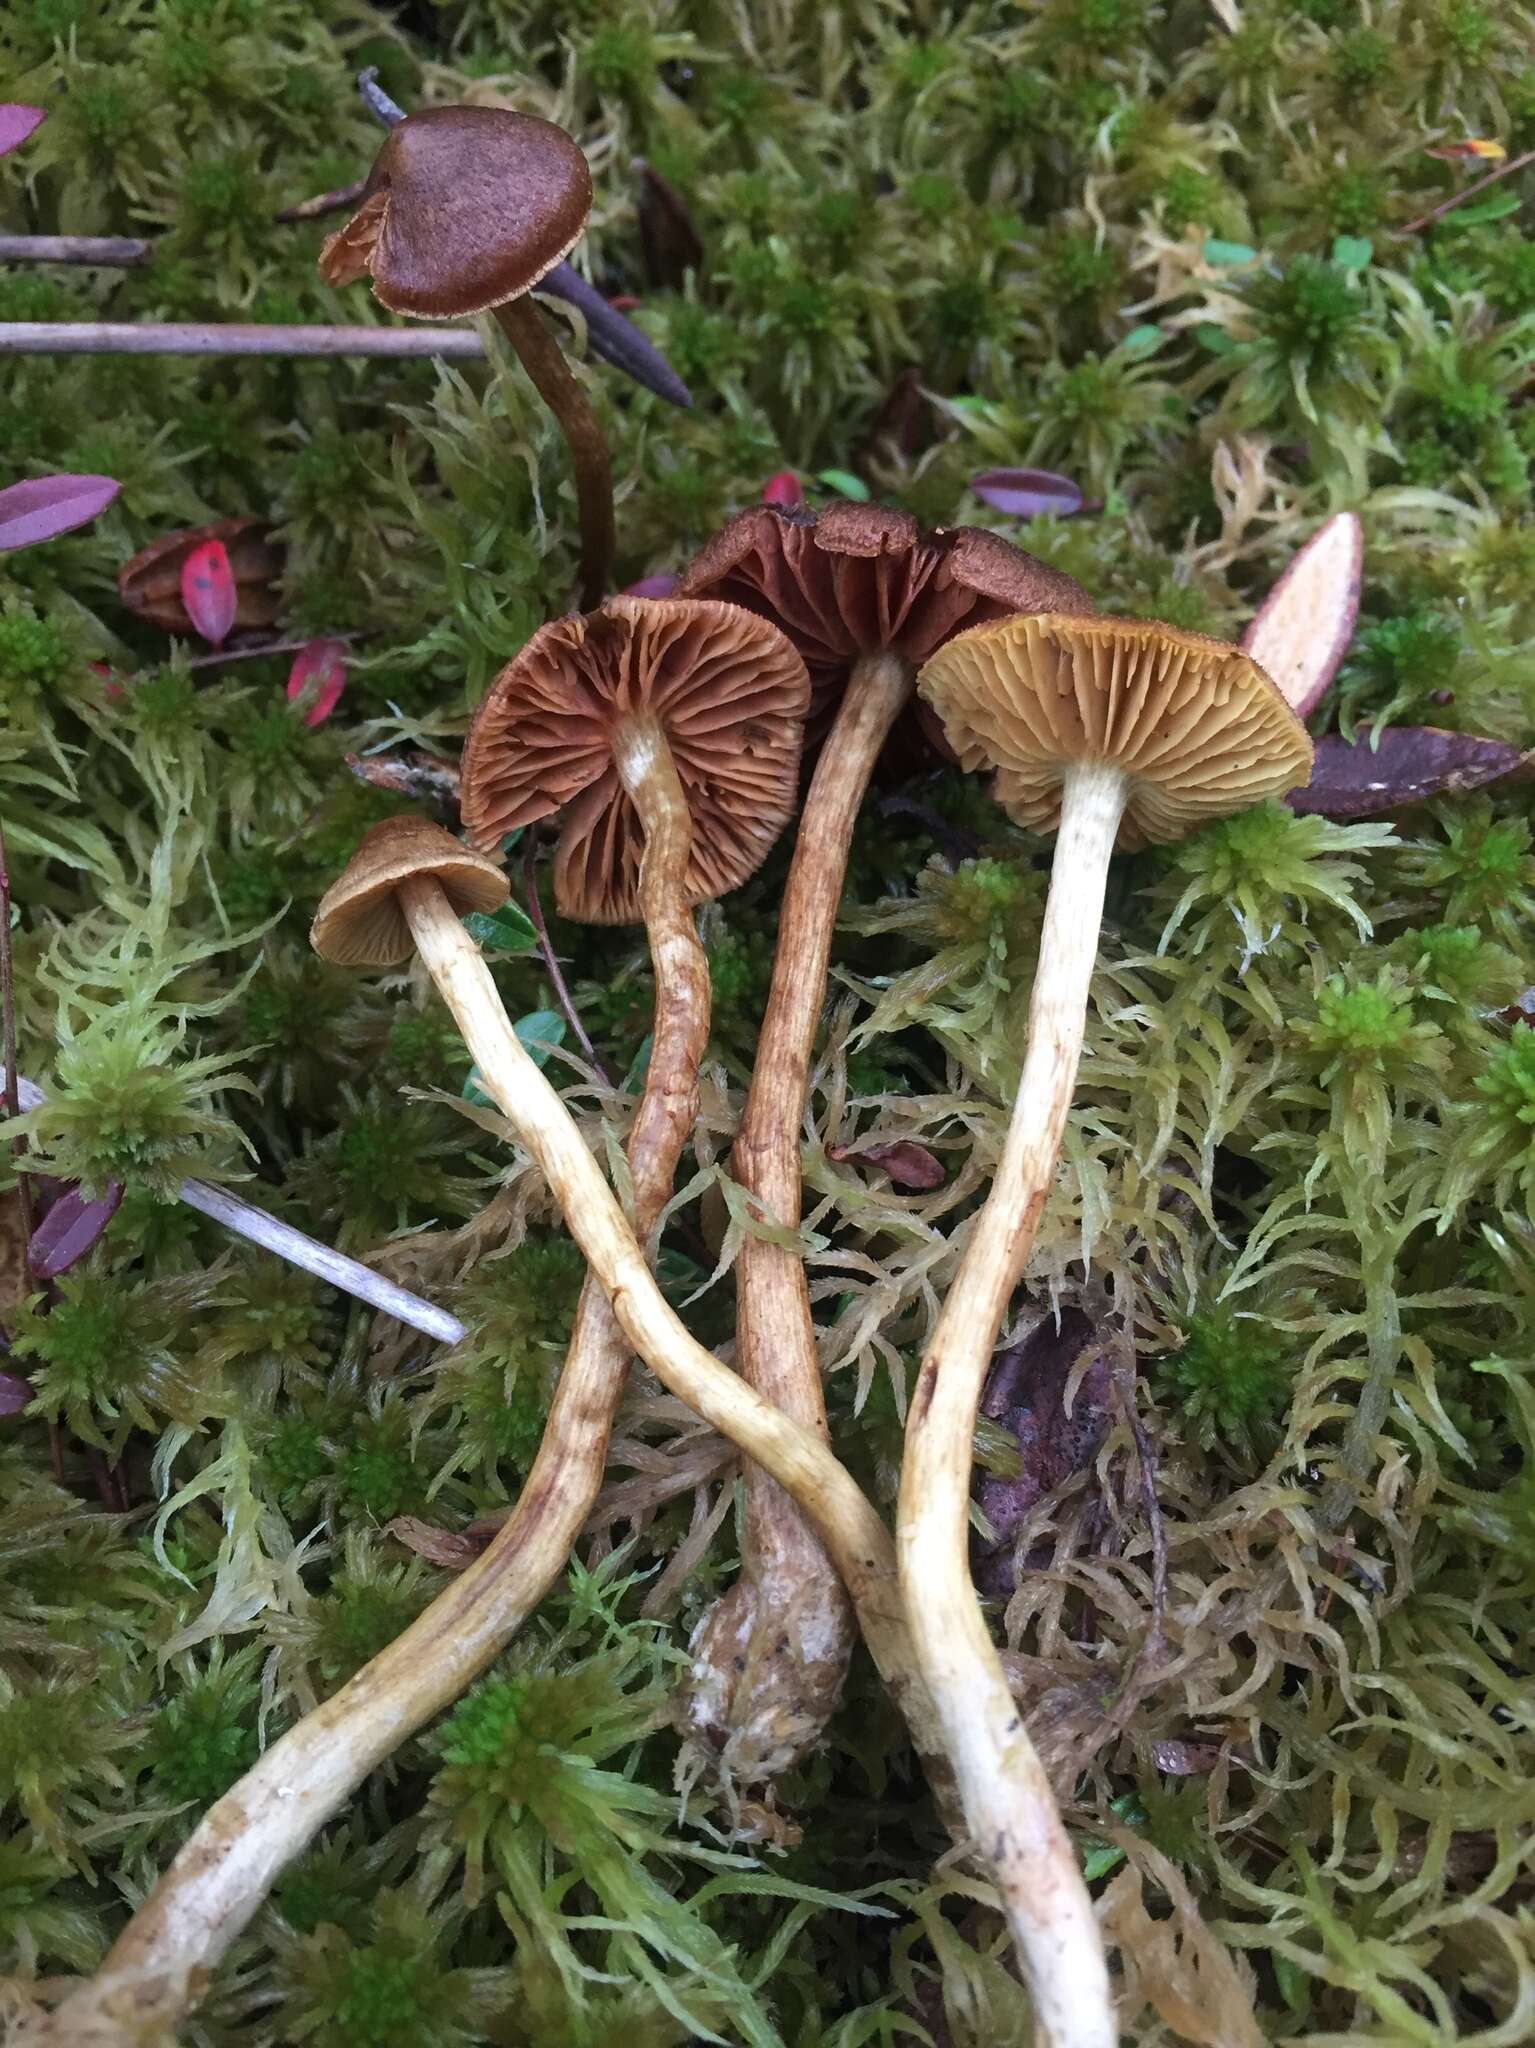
(1302, 628)
(651, 586)
(909, 1165)
(1409, 764)
(318, 676)
(1027, 493)
(15, 1393)
(69, 1230)
(44, 506)
(17, 121)
(208, 591)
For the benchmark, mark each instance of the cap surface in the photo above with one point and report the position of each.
(729, 692)
(360, 922)
(465, 207)
(854, 579)
(1197, 726)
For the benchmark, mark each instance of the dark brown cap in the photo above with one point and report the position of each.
(855, 579)
(360, 921)
(1196, 725)
(465, 207)
(730, 695)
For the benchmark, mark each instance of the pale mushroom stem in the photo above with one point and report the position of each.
(787, 1616)
(158, 1964)
(560, 389)
(1008, 1803)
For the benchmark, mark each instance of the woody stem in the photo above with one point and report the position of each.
(560, 389)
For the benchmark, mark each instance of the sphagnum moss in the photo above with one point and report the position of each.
(1348, 1621)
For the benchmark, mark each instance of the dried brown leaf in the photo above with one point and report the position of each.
(1405, 765)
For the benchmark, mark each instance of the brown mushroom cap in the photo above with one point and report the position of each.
(854, 579)
(360, 922)
(465, 207)
(1197, 726)
(730, 693)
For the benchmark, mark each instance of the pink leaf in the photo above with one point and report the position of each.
(69, 1230)
(651, 586)
(208, 591)
(17, 122)
(44, 506)
(1302, 628)
(318, 676)
(783, 489)
(1028, 493)
(909, 1165)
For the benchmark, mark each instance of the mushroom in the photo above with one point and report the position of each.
(1104, 731)
(404, 888)
(463, 212)
(866, 597)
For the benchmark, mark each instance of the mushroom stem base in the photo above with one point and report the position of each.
(560, 389)
(1008, 1802)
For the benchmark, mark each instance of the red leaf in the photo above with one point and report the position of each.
(318, 676)
(783, 489)
(623, 302)
(17, 121)
(69, 1230)
(909, 1165)
(1521, 1010)
(1302, 628)
(1028, 493)
(150, 584)
(1410, 763)
(208, 591)
(651, 586)
(44, 506)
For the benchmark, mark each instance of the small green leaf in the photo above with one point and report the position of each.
(1142, 341)
(1214, 338)
(1294, 1985)
(1497, 208)
(639, 1066)
(1228, 253)
(507, 930)
(1352, 252)
(473, 1092)
(1099, 1858)
(844, 483)
(540, 1031)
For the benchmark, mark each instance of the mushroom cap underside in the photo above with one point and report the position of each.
(360, 921)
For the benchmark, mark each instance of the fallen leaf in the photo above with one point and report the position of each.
(422, 777)
(904, 422)
(1302, 628)
(71, 1226)
(1521, 1010)
(783, 489)
(17, 122)
(42, 507)
(1026, 1391)
(1028, 493)
(318, 676)
(1475, 148)
(1185, 1759)
(208, 591)
(1408, 764)
(909, 1165)
(453, 1550)
(651, 586)
(150, 584)
(15, 1393)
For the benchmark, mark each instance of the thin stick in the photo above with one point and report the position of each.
(1007, 1798)
(557, 385)
(160, 1962)
(247, 1221)
(8, 1043)
(229, 338)
(562, 994)
(1424, 220)
(772, 1652)
(323, 203)
(111, 252)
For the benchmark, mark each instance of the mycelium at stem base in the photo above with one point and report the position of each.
(768, 1660)
(1007, 1799)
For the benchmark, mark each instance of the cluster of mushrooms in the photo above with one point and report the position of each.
(667, 736)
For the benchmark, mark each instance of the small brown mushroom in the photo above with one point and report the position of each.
(465, 209)
(1104, 731)
(865, 596)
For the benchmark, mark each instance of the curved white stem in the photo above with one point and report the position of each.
(1007, 1799)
